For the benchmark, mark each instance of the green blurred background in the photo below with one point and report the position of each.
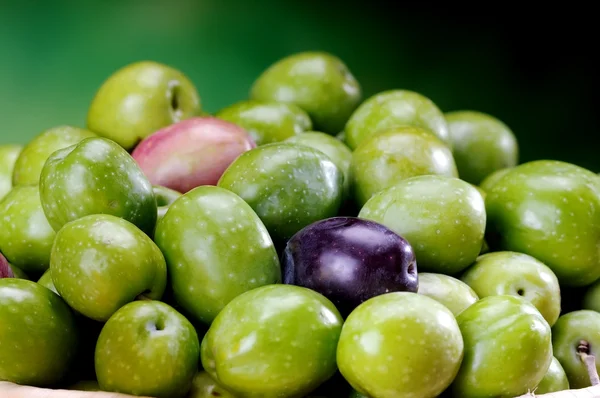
(534, 71)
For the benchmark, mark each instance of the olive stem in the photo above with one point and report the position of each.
(590, 362)
(583, 350)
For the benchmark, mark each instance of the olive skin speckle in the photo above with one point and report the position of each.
(393, 108)
(516, 274)
(481, 144)
(140, 98)
(147, 348)
(216, 248)
(450, 291)
(96, 176)
(394, 155)
(502, 332)
(38, 334)
(443, 218)
(26, 237)
(304, 240)
(546, 204)
(101, 262)
(288, 185)
(267, 121)
(263, 342)
(337, 151)
(32, 158)
(400, 344)
(318, 82)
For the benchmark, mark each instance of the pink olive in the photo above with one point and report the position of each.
(5, 271)
(192, 152)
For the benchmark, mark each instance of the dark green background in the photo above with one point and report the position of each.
(531, 71)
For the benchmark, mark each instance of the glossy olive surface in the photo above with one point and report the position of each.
(481, 144)
(318, 82)
(508, 348)
(443, 218)
(31, 160)
(267, 121)
(147, 348)
(400, 344)
(456, 295)
(393, 108)
(349, 260)
(26, 236)
(38, 334)
(394, 155)
(191, 153)
(216, 248)
(550, 210)
(273, 341)
(140, 98)
(288, 185)
(96, 176)
(337, 151)
(46, 281)
(572, 329)
(101, 262)
(555, 379)
(516, 274)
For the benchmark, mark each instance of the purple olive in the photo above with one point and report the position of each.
(349, 260)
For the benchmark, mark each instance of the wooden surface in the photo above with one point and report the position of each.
(9, 390)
